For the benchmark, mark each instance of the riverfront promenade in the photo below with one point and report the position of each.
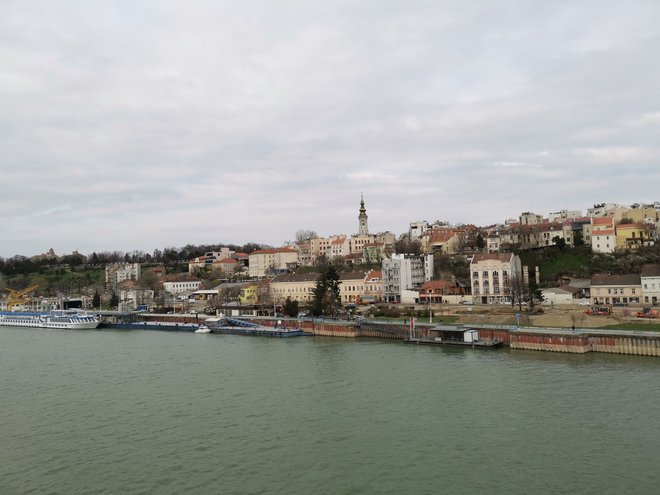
(578, 341)
(550, 339)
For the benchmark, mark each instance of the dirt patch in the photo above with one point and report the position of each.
(556, 318)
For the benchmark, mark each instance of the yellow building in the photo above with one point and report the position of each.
(248, 295)
(631, 236)
(297, 287)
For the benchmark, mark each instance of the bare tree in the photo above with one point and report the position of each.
(518, 291)
(304, 236)
(406, 245)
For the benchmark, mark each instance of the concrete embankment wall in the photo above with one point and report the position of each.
(623, 344)
(322, 329)
(576, 344)
(582, 342)
(527, 339)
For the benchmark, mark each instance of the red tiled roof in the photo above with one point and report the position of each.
(602, 221)
(602, 232)
(273, 251)
(436, 284)
(226, 260)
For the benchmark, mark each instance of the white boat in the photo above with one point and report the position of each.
(57, 318)
(203, 329)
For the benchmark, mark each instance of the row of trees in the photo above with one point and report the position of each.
(22, 264)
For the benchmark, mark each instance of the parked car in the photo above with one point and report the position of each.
(584, 302)
(469, 303)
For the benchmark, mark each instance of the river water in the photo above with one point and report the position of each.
(148, 412)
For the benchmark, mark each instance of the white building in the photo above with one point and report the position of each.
(182, 286)
(492, 277)
(560, 295)
(118, 272)
(562, 215)
(405, 272)
(416, 229)
(651, 284)
(603, 235)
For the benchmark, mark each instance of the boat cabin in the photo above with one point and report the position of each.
(447, 333)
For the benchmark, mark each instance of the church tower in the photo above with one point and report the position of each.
(362, 218)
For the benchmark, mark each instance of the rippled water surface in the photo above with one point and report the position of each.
(140, 412)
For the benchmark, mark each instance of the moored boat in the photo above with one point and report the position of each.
(203, 329)
(57, 318)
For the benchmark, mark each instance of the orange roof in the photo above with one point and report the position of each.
(602, 221)
(273, 251)
(630, 226)
(440, 235)
(226, 260)
(437, 284)
(602, 232)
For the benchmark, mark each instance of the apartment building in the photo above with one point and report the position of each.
(118, 272)
(631, 236)
(491, 277)
(650, 280)
(404, 272)
(603, 235)
(272, 261)
(616, 289)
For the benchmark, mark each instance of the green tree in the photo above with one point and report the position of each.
(290, 308)
(96, 300)
(326, 293)
(560, 242)
(481, 243)
(114, 300)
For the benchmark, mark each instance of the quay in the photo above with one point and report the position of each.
(578, 341)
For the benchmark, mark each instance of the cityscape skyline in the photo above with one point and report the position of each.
(164, 124)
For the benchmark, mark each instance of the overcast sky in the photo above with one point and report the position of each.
(144, 124)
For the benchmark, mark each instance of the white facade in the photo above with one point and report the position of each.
(416, 229)
(118, 272)
(405, 272)
(557, 296)
(491, 277)
(651, 285)
(558, 216)
(182, 286)
(603, 241)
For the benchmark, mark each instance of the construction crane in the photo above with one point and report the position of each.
(19, 297)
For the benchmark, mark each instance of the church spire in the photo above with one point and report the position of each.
(362, 218)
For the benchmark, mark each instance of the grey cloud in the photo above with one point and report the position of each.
(162, 123)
